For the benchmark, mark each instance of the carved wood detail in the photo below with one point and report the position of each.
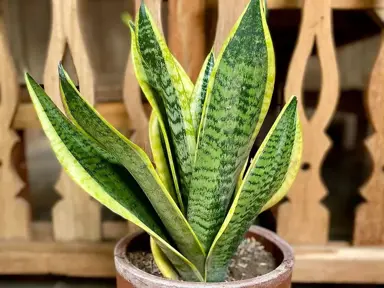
(76, 216)
(14, 211)
(303, 219)
(369, 221)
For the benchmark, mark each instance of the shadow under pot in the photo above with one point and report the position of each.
(129, 276)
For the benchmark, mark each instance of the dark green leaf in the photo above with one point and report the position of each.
(271, 172)
(138, 164)
(238, 97)
(163, 75)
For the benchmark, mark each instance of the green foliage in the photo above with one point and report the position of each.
(196, 200)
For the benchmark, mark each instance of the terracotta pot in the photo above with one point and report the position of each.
(128, 276)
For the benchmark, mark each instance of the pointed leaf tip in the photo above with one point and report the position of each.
(126, 18)
(142, 10)
(61, 70)
(27, 77)
(132, 25)
(253, 3)
(60, 64)
(293, 101)
(239, 64)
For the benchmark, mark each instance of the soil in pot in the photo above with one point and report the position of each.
(250, 260)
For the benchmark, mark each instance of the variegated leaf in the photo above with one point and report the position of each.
(238, 97)
(200, 91)
(111, 184)
(162, 262)
(157, 105)
(162, 74)
(271, 172)
(134, 159)
(159, 157)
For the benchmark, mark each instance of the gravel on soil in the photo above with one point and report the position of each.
(250, 260)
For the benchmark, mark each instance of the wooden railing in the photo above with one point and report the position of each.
(78, 243)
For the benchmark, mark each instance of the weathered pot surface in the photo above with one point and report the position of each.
(128, 276)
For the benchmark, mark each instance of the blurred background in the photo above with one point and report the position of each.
(328, 52)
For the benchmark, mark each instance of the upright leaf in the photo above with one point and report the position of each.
(271, 172)
(200, 91)
(163, 75)
(109, 183)
(157, 105)
(238, 96)
(159, 157)
(138, 164)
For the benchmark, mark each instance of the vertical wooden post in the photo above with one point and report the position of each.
(174, 32)
(304, 219)
(14, 211)
(369, 223)
(186, 30)
(75, 216)
(131, 89)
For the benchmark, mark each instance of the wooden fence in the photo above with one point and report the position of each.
(78, 243)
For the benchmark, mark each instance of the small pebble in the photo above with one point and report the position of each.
(250, 260)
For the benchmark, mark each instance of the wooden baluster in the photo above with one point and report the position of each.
(186, 22)
(131, 89)
(369, 222)
(14, 211)
(175, 37)
(304, 219)
(76, 216)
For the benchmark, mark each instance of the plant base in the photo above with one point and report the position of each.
(129, 276)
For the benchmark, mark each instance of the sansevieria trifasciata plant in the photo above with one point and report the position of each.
(199, 193)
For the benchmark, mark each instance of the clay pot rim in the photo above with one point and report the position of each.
(283, 271)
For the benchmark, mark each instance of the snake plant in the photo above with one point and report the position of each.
(199, 194)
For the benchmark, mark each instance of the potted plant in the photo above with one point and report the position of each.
(199, 195)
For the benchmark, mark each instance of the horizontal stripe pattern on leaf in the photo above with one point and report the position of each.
(272, 170)
(134, 159)
(157, 106)
(163, 75)
(110, 184)
(238, 97)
